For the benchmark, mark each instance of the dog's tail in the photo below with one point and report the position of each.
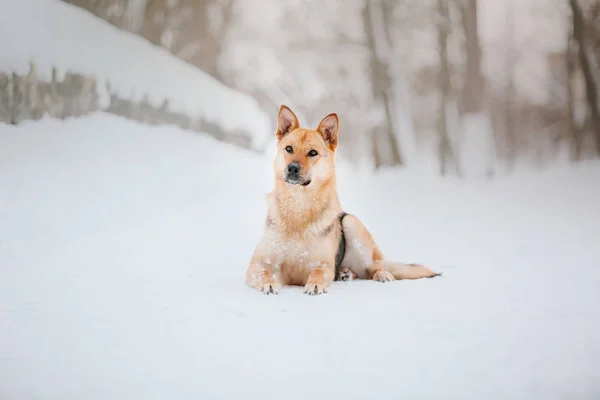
(408, 271)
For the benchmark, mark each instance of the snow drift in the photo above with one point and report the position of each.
(52, 33)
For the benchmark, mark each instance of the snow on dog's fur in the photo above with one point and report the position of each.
(307, 239)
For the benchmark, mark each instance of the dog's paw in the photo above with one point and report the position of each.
(345, 275)
(315, 288)
(383, 276)
(270, 287)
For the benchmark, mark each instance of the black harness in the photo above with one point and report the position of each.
(341, 251)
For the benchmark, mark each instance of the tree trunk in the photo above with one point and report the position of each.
(226, 21)
(585, 54)
(196, 32)
(445, 149)
(511, 130)
(510, 94)
(477, 145)
(402, 117)
(575, 131)
(473, 88)
(104, 9)
(154, 22)
(380, 82)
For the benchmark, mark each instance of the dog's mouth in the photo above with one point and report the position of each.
(297, 181)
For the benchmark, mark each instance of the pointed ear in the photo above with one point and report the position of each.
(286, 121)
(328, 128)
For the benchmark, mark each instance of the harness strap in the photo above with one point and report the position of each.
(341, 251)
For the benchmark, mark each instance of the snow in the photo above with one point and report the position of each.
(53, 33)
(123, 250)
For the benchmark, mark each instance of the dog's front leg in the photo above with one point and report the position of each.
(259, 276)
(319, 279)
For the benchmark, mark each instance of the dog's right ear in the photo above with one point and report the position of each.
(286, 121)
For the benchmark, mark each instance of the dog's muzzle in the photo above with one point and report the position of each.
(293, 176)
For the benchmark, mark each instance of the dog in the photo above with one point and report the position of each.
(307, 239)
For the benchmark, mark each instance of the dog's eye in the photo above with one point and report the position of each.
(312, 153)
(289, 149)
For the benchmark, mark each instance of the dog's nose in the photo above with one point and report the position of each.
(294, 168)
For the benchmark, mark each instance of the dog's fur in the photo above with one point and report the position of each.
(305, 228)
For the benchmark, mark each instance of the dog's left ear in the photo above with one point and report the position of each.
(328, 128)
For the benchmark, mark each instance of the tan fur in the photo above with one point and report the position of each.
(302, 229)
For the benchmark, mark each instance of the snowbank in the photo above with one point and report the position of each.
(53, 33)
(123, 250)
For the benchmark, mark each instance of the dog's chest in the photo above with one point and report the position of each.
(294, 246)
(305, 250)
(293, 259)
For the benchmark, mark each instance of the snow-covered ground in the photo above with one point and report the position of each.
(123, 250)
(52, 33)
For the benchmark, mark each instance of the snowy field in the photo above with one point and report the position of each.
(123, 250)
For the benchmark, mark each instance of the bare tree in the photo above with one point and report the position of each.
(446, 152)
(373, 16)
(472, 96)
(155, 21)
(587, 65)
(186, 28)
(510, 95)
(112, 11)
(194, 41)
(575, 131)
(477, 146)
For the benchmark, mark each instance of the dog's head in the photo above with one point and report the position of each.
(305, 157)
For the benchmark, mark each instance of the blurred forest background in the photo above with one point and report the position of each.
(480, 85)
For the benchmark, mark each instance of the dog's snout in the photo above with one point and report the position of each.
(294, 168)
